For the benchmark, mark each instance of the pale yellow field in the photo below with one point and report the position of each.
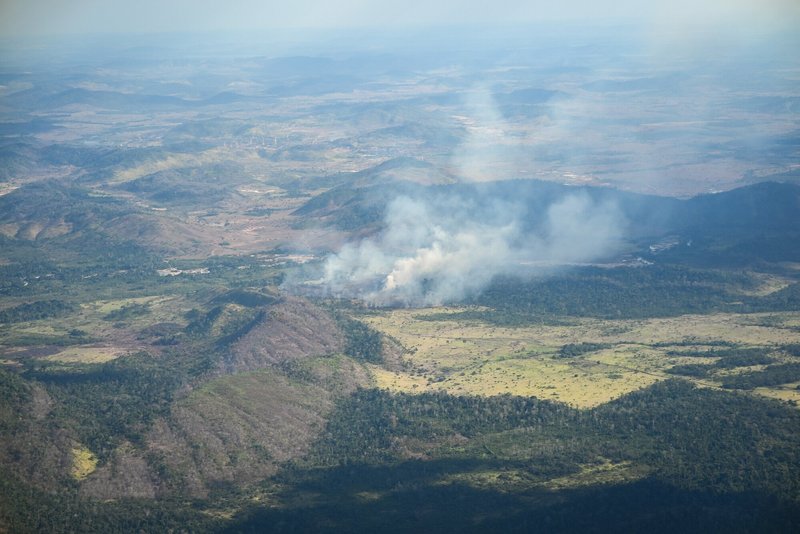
(768, 284)
(786, 392)
(93, 319)
(476, 358)
(214, 155)
(104, 307)
(84, 462)
(87, 354)
(106, 337)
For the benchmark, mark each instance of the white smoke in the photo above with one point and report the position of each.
(444, 249)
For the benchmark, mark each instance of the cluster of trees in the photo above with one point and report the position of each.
(27, 263)
(613, 293)
(702, 439)
(14, 392)
(107, 403)
(696, 370)
(734, 357)
(793, 349)
(715, 462)
(623, 293)
(694, 438)
(773, 375)
(729, 358)
(571, 350)
(366, 426)
(724, 459)
(414, 502)
(61, 265)
(24, 508)
(33, 311)
(360, 340)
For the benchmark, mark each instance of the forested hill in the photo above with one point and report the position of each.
(766, 209)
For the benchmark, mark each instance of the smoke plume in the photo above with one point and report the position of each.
(446, 248)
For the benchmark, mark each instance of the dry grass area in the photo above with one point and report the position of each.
(785, 392)
(108, 329)
(104, 307)
(481, 359)
(84, 462)
(87, 354)
(767, 284)
(174, 161)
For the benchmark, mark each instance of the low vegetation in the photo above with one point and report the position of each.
(480, 358)
(772, 375)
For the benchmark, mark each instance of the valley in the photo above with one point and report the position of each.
(550, 283)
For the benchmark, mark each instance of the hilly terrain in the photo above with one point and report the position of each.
(155, 380)
(550, 283)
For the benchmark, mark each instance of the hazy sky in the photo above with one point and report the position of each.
(42, 17)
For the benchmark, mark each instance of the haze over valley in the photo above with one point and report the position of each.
(506, 274)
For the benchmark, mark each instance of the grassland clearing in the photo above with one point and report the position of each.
(785, 392)
(84, 462)
(767, 284)
(87, 354)
(474, 358)
(96, 332)
(105, 307)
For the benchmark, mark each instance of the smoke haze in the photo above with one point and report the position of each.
(87, 16)
(444, 249)
(447, 246)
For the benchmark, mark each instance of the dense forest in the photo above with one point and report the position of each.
(692, 459)
(704, 461)
(626, 293)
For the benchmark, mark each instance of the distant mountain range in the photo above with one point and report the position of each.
(737, 225)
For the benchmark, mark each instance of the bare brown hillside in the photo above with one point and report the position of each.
(271, 399)
(293, 329)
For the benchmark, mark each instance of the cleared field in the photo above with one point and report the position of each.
(476, 358)
(84, 462)
(785, 392)
(96, 332)
(157, 307)
(113, 320)
(88, 354)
